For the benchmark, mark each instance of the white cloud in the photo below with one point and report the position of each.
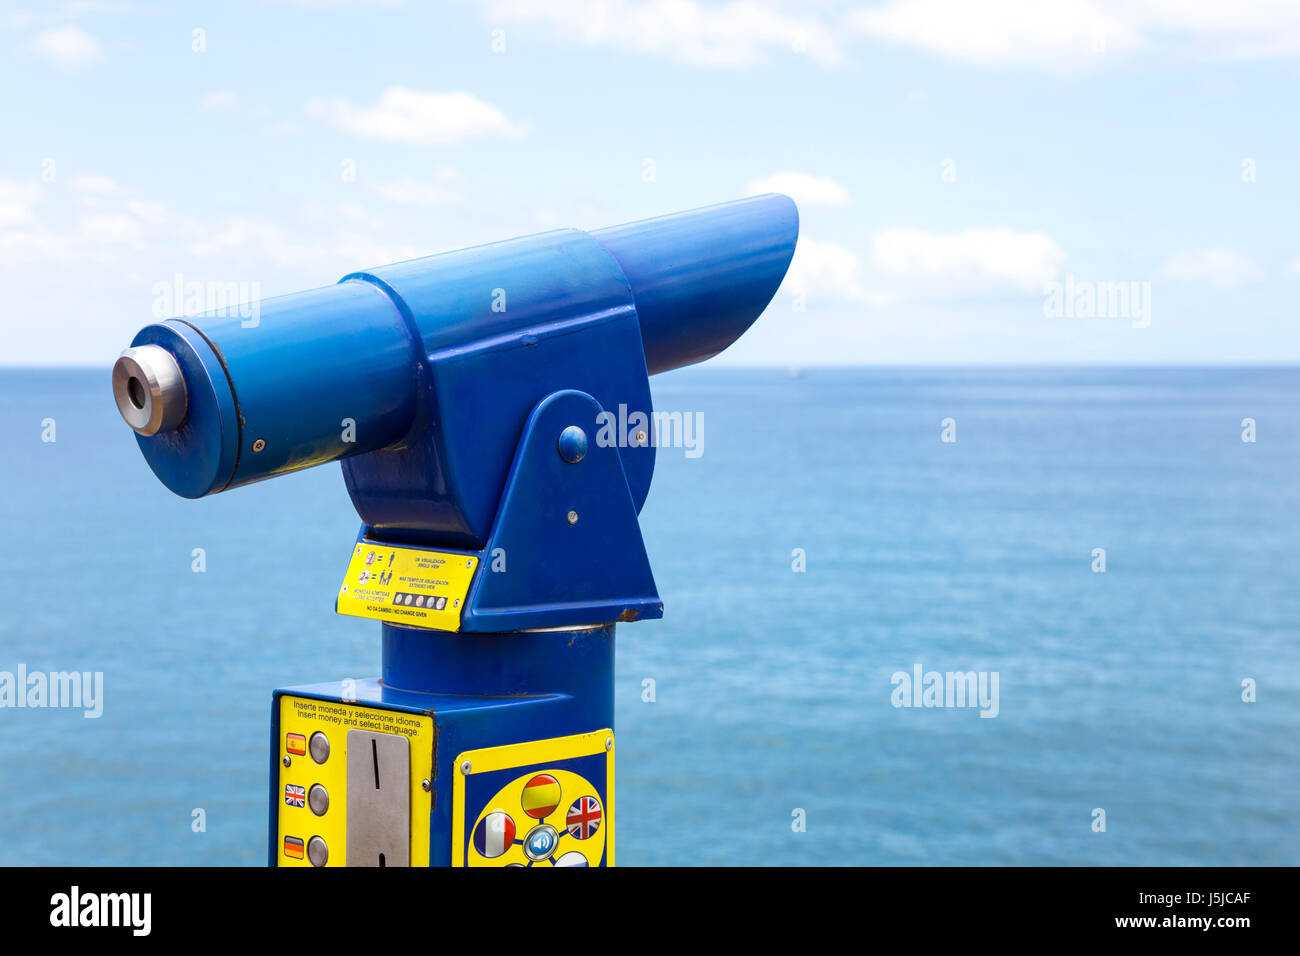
(1066, 34)
(98, 224)
(220, 100)
(111, 228)
(444, 188)
(337, 238)
(970, 258)
(68, 48)
(259, 236)
(1061, 32)
(94, 184)
(910, 262)
(16, 200)
(1219, 267)
(152, 213)
(825, 270)
(804, 189)
(404, 115)
(737, 33)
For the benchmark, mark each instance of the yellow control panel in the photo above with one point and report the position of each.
(540, 803)
(351, 788)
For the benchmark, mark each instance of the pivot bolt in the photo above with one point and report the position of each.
(571, 517)
(573, 444)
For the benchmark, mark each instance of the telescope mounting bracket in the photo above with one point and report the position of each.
(566, 547)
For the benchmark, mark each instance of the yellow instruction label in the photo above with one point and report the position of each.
(406, 585)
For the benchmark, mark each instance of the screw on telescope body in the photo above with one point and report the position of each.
(149, 390)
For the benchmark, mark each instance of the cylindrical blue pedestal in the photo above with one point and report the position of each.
(577, 662)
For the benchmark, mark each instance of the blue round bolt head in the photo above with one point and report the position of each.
(573, 444)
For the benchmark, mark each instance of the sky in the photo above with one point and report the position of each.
(1075, 182)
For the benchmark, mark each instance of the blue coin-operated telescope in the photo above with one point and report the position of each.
(491, 410)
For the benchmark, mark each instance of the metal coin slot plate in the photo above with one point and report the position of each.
(379, 799)
(300, 718)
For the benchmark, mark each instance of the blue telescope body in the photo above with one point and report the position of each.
(392, 348)
(466, 395)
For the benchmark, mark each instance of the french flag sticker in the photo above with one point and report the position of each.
(494, 834)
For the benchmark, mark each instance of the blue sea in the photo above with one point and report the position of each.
(774, 695)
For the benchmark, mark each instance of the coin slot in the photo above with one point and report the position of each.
(378, 799)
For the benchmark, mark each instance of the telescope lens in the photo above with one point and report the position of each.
(135, 391)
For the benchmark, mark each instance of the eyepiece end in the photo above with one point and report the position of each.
(149, 389)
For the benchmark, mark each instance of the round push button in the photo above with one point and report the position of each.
(541, 796)
(318, 799)
(319, 745)
(494, 834)
(317, 851)
(540, 842)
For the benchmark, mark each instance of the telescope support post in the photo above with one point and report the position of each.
(502, 741)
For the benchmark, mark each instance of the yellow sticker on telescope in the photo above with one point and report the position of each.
(407, 585)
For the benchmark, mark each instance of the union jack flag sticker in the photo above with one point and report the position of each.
(294, 795)
(584, 818)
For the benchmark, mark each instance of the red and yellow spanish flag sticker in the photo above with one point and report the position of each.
(293, 847)
(541, 796)
(295, 744)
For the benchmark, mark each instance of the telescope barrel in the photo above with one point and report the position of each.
(307, 379)
(219, 401)
(700, 278)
